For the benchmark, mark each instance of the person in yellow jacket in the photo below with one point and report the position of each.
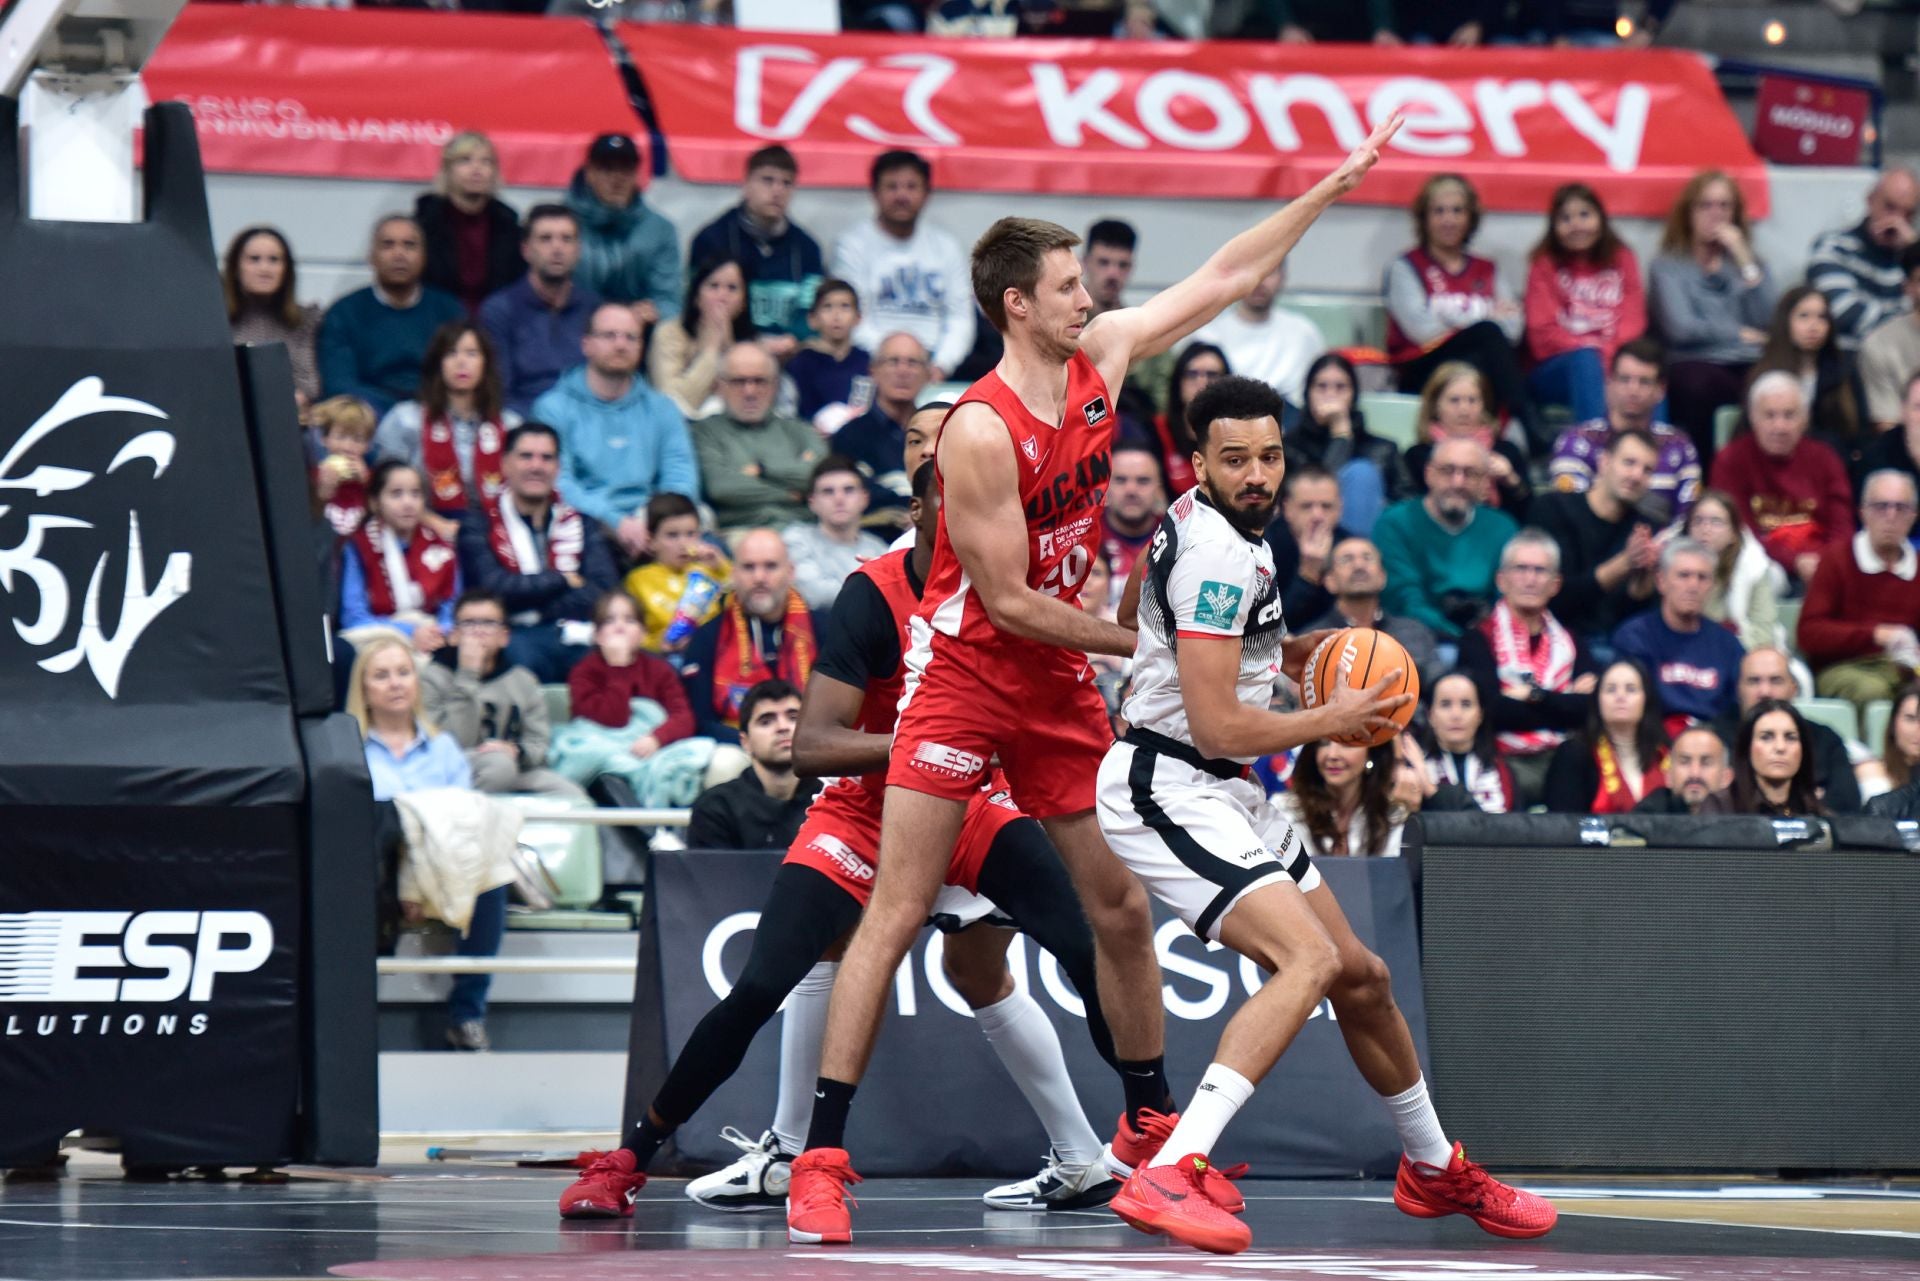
(679, 552)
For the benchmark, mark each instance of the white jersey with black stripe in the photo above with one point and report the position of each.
(1204, 578)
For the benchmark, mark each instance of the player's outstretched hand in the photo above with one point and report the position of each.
(1369, 711)
(1366, 155)
(1296, 649)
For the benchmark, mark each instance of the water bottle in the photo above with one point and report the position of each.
(695, 598)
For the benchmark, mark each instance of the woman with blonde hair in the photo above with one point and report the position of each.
(473, 237)
(1456, 404)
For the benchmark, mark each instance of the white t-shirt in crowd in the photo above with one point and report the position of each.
(1276, 350)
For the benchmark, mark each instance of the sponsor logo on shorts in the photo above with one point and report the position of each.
(947, 762)
(1218, 603)
(1001, 797)
(842, 856)
(1258, 854)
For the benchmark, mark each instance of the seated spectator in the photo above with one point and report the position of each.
(1636, 385)
(1607, 550)
(628, 708)
(494, 709)
(628, 252)
(875, 440)
(1857, 625)
(1440, 551)
(472, 236)
(1331, 432)
(1581, 25)
(1136, 500)
(1698, 766)
(623, 442)
(680, 586)
(537, 322)
(782, 262)
(1858, 269)
(1800, 342)
(1621, 756)
(1773, 772)
(831, 546)
(1899, 763)
(1890, 354)
(406, 754)
(832, 378)
(1463, 739)
(764, 630)
(912, 276)
(455, 433)
(372, 342)
(1307, 21)
(1536, 673)
(258, 280)
(345, 428)
(1267, 342)
(1711, 300)
(396, 571)
(763, 807)
(1765, 675)
(1694, 661)
(1584, 299)
(1454, 406)
(1342, 801)
(544, 558)
(1355, 578)
(683, 360)
(1747, 582)
(1197, 368)
(1792, 491)
(1898, 447)
(1444, 304)
(1302, 540)
(755, 464)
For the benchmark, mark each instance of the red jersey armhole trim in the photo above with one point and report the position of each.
(1181, 631)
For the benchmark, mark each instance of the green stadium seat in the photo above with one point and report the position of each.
(1873, 722)
(1725, 419)
(1336, 321)
(570, 852)
(1392, 417)
(559, 704)
(1788, 612)
(1837, 714)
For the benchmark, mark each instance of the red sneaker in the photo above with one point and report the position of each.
(1173, 1199)
(1133, 1148)
(606, 1190)
(1427, 1192)
(817, 1198)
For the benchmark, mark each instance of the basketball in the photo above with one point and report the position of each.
(1360, 656)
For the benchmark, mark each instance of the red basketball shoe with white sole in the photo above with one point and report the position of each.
(1173, 1199)
(1427, 1192)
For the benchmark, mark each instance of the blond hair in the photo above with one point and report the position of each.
(357, 682)
(1443, 377)
(458, 148)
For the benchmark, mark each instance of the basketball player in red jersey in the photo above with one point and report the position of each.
(998, 665)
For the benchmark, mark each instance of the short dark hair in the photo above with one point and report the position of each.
(834, 285)
(1008, 256)
(479, 596)
(923, 479)
(774, 157)
(1647, 351)
(1114, 234)
(668, 506)
(1232, 397)
(530, 428)
(1625, 434)
(888, 161)
(831, 464)
(539, 212)
(773, 690)
(1305, 474)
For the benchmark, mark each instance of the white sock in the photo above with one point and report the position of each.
(801, 1032)
(1222, 1093)
(1419, 1125)
(1021, 1034)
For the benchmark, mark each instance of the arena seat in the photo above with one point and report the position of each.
(1725, 420)
(1837, 714)
(570, 852)
(1873, 722)
(1392, 417)
(559, 704)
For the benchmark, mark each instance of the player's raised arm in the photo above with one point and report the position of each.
(1118, 338)
(988, 530)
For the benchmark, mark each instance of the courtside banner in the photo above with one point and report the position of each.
(936, 1101)
(1220, 119)
(371, 94)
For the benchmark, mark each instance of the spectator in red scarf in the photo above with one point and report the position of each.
(456, 432)
(764, 630)
(1622, 755)
(395, 571)
(1793, 491)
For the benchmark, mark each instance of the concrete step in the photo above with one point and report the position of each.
(428, 1093)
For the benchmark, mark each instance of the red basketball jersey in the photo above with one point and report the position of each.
(1063, 484)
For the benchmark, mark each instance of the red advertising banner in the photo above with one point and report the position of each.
(371, 94)
(1805, 122)
(1194, 120)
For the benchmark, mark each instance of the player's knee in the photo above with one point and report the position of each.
(979, 984)
(1319, 962)
(756, 995)
(1120, 917)
(1364, 986)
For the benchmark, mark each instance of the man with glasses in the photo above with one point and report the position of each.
(1440, 550)
(622, 442)
(1857, 625)
(876, 440)
(757, 465)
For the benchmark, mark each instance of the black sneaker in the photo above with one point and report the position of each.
(470, 1035)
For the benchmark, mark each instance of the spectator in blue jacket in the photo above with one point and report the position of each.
(628, 253)
(1695, 661)
(547, 560)
(622, 441)
(373, 340)
(537, 322)
(782, 262)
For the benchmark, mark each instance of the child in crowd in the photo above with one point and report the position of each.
(829, 372)
(684, 566)
(344, 425)
(396, 574)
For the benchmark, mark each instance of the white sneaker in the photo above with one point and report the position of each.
(757, 1181)
(1059, 1186)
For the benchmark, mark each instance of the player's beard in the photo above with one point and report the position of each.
(1251, 520)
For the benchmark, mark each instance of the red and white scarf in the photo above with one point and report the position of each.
(417, 578)
(1490, 785)
(447, 491)
(738, 664)
(347, 508)
(513, 542)
(1517, 661)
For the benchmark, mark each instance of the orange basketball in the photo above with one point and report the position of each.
(1361, 657)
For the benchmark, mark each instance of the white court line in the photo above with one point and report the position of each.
(1752, 1227)
(554, 1230)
